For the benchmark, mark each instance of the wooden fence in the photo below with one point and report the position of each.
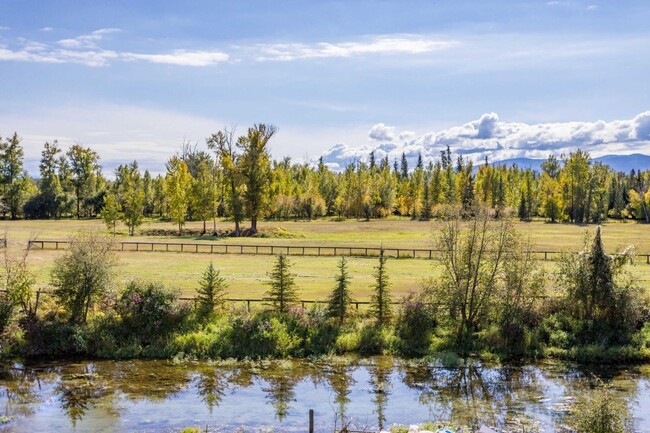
(303, 302)
(290, 250)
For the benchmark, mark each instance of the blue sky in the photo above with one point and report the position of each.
(135, 79)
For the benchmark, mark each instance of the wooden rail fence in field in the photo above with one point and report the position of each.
(290, 250)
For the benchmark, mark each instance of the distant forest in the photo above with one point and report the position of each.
(235, 177)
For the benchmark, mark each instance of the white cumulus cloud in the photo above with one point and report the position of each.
(381, 132)
(500, 140)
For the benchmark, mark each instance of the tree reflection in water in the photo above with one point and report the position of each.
(18, 388)
(338, 373)
(281, 380)
(79, 390)
(211, 386)
(473, 394)
(380, 372)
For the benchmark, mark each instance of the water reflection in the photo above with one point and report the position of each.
(380, 372)
(339, 375)
(19, 390)
(155, 395)
(211, 387)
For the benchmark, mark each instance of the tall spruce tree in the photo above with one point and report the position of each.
(211, 291)
(380, 300)
(282, 287)
(404, 167)
(339, 300)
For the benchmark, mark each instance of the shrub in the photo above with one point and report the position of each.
(53, 338)
(600, 412)
(83, 274)
(609, 306)
(414, 326)
(261, 336)
(150, 311)
(6, 310)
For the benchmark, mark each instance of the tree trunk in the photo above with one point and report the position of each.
(254, 224)
(237, 229)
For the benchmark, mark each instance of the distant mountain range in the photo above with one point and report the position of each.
(624, 163)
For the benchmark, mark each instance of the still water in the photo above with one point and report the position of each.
(161, 396)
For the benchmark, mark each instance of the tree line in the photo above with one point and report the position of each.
(236, 178)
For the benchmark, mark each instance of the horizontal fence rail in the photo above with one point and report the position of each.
(289, 250)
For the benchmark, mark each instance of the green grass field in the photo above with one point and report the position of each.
(246, 275)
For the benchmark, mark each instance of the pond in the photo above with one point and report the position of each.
(163, 396)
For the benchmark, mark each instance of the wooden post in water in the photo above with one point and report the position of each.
(311, 420)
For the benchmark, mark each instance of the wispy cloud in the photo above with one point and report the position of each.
(406, 44)
(85, 49)
(87, 41)
(47, 29)
(182, 58)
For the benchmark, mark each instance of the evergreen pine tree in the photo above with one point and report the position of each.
(211, 291)
(404, 167)
(340, 298)
(523, 214)
(380, 300)
(282, 292)
(601, 278)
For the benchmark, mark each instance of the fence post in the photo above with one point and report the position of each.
(248, 305)
(311, 420)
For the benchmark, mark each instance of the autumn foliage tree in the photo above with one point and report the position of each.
(177, 188)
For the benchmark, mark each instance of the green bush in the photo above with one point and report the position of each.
(47, 338)
(317, 331)
(6, 310)
(375, 339)
(600, 412)
(261, 336)
(150, 311)
(414, 326)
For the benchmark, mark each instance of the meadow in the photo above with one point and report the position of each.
(247, 274)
